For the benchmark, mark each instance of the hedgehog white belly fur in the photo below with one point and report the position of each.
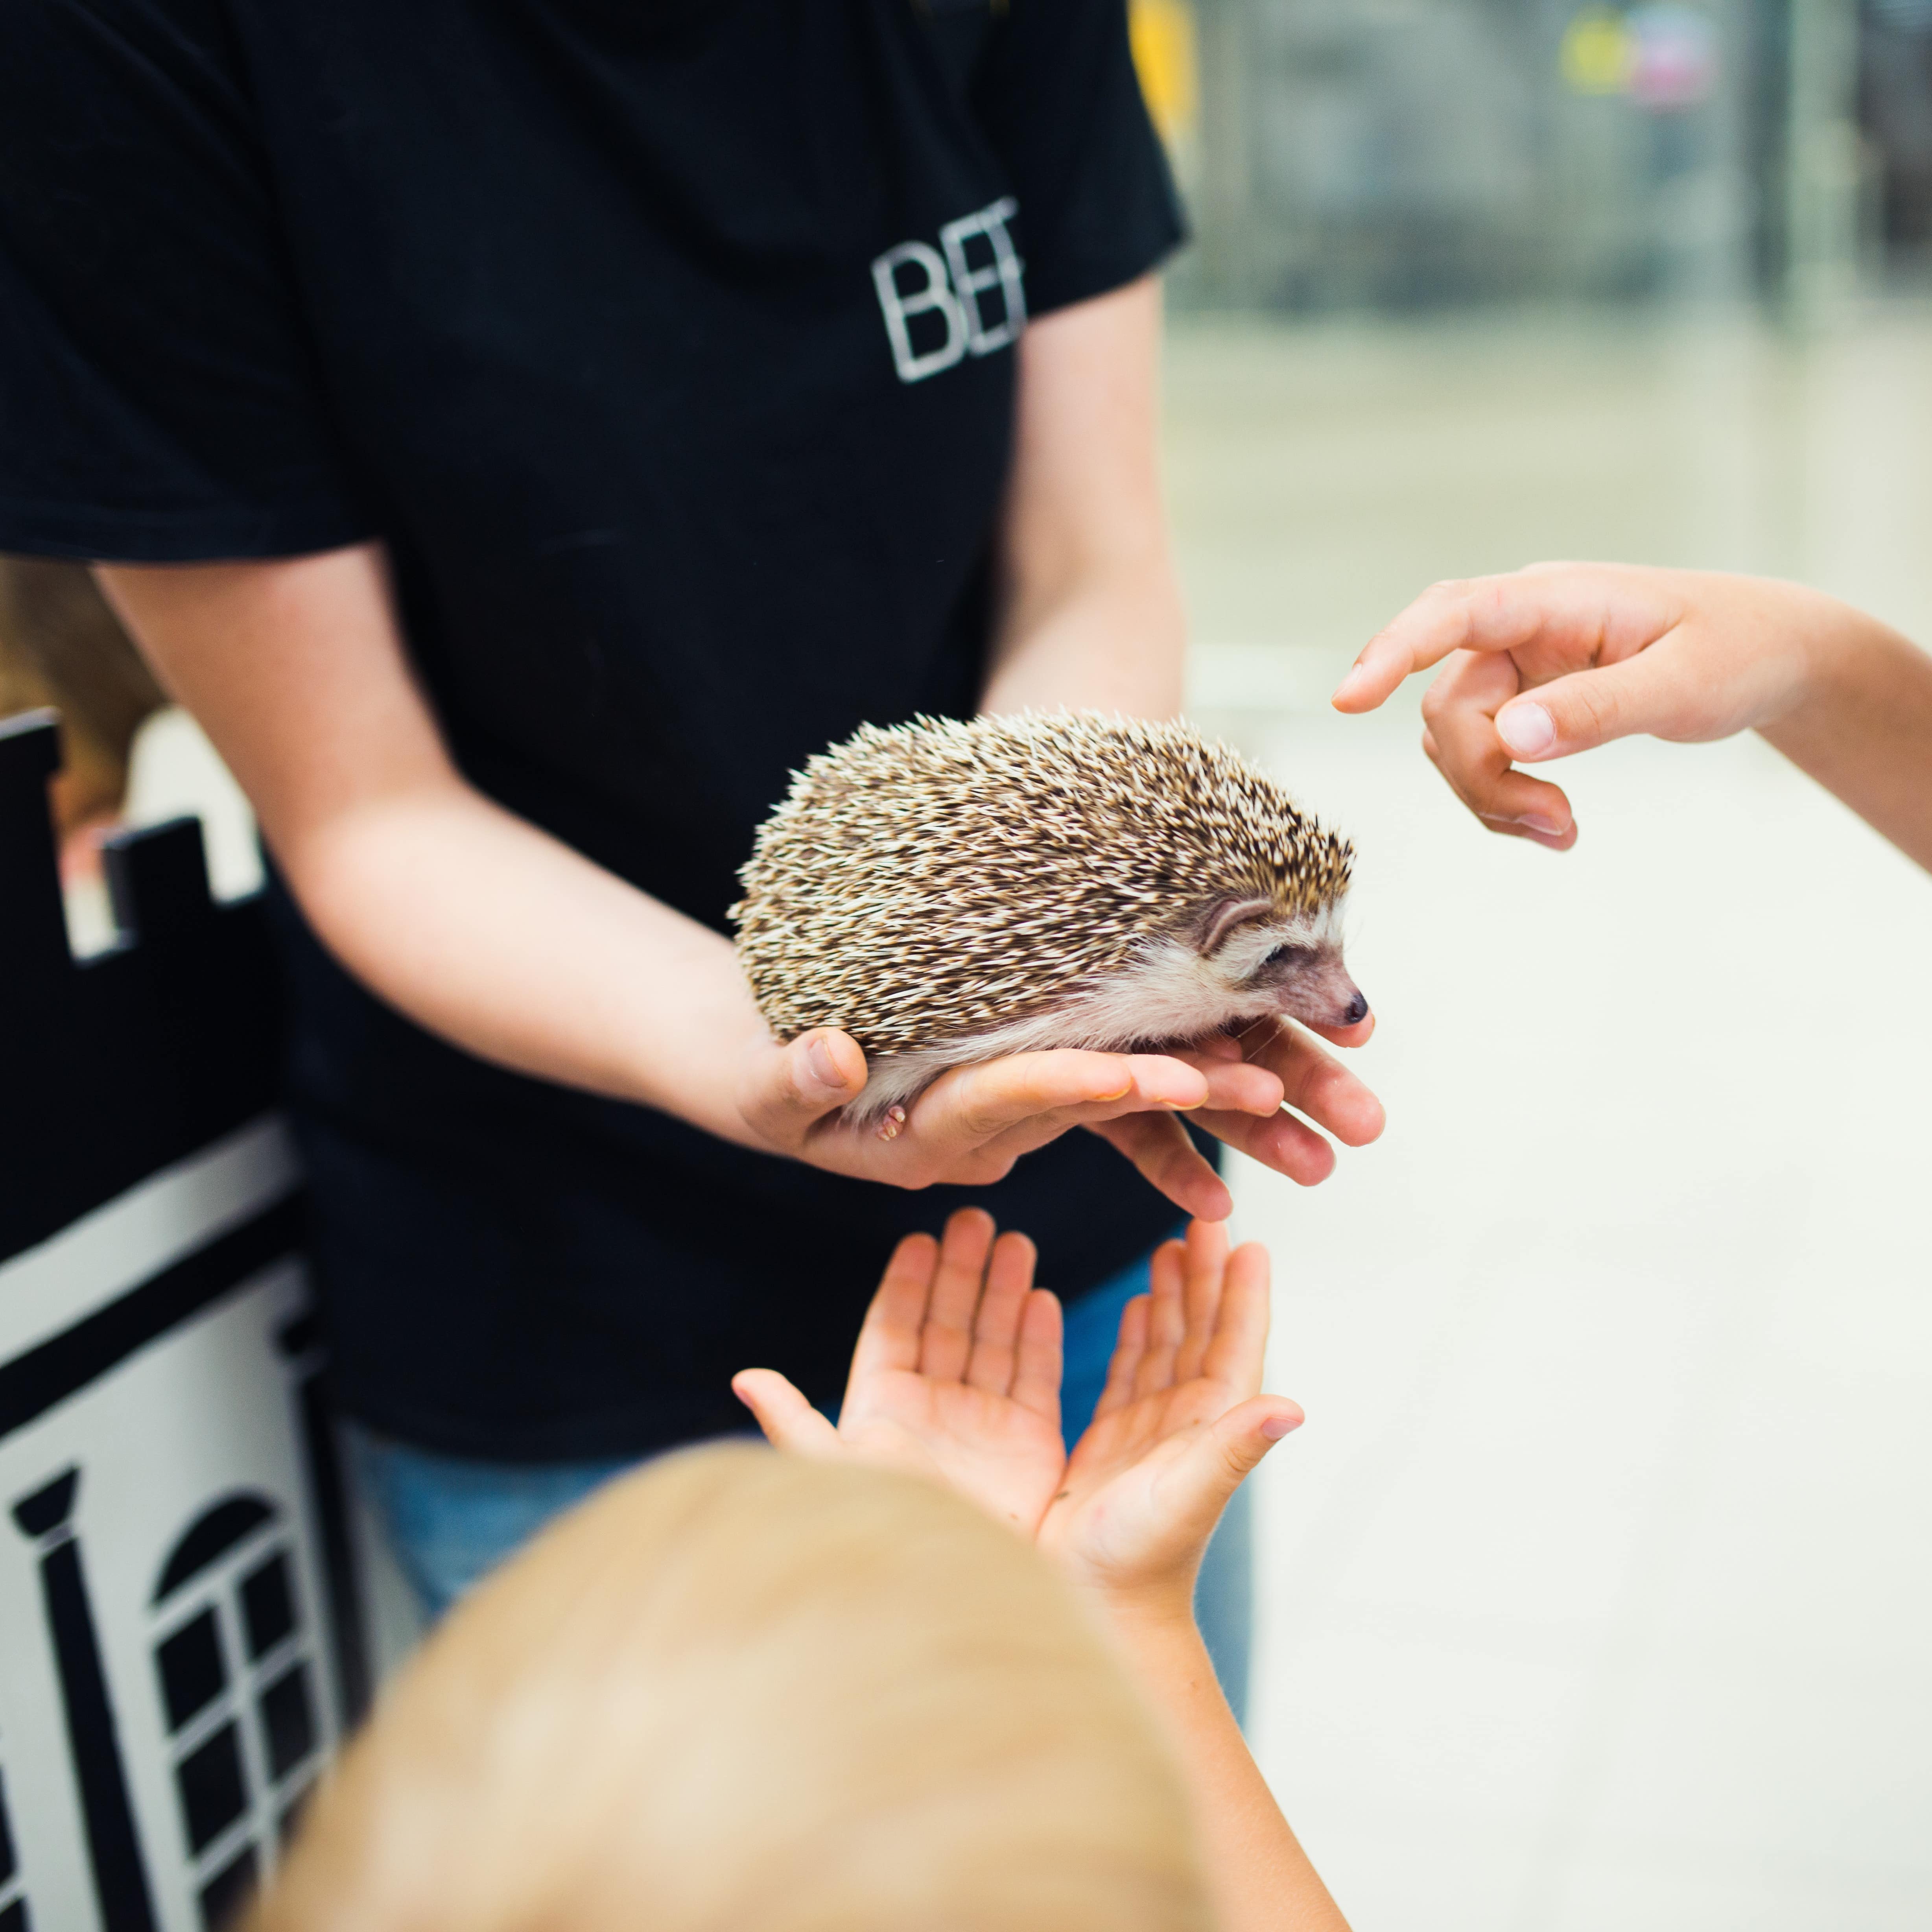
(947, 892)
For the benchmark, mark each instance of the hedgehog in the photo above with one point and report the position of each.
(949, 892)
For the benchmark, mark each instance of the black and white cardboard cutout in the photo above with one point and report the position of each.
(181, 1638)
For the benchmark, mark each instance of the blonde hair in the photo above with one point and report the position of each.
(741, 1691)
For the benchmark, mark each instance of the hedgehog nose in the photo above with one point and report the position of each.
(1358, 1009)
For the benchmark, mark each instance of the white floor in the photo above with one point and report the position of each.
(1597, 1591)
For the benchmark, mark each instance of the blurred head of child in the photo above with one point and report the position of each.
(739, 1689)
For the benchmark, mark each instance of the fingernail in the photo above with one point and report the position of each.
(1348, 683)
(1527, 729)
(1537, 822)
(823, 1068)
(1276, 1426)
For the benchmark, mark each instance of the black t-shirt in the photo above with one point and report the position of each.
(667, 346)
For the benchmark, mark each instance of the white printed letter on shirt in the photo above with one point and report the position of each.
(1001, 270)
(979, 257)
(901, 305)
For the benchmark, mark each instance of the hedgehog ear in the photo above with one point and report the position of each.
(1226, 916)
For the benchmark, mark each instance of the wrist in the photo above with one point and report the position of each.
(698, 1060)
(1835, 642)
(1155, 1609)
(1159, 1640)
(1842, 657)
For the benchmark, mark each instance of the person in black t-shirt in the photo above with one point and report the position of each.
(522, 431)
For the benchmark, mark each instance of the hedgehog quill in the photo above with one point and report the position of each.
(947, 892)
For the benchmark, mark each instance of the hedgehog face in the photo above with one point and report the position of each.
(1241, 962)
(1295, 965)
(1251, 957)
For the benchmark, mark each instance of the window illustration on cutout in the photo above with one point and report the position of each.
(13, 1900)
(237, 1685)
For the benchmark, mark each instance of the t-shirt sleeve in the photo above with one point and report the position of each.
(1060, 102)
(160, 399)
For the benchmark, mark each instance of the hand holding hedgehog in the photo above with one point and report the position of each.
(1055, 888)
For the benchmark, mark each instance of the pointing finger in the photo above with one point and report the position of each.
(1439, 621)
(1568, 614)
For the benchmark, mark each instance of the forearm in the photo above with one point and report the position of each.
(1260, 1875)
(1863, 728)
(1090, 613)
(1114, 643)
(502, 939)
(471, 921)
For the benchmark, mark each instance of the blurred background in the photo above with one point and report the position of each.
(1406, 155)
(1595, 1592)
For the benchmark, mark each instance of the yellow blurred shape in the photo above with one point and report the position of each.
(1162, 34)
(1597, 53)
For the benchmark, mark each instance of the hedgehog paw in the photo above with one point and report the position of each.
(889, 1128)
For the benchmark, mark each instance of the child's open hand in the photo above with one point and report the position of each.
(1178, 1426)
(956, 1375)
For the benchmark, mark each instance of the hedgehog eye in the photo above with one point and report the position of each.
(1282, 955)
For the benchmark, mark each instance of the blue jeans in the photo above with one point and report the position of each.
(451, 1520)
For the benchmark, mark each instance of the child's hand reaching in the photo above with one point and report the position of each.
(1178, 1427)
(957, 1376)
(1557, 658)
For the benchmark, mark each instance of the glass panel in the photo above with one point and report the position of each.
(192, 1676)
(268, 1604)
(212, 1794)
(288, 1721)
